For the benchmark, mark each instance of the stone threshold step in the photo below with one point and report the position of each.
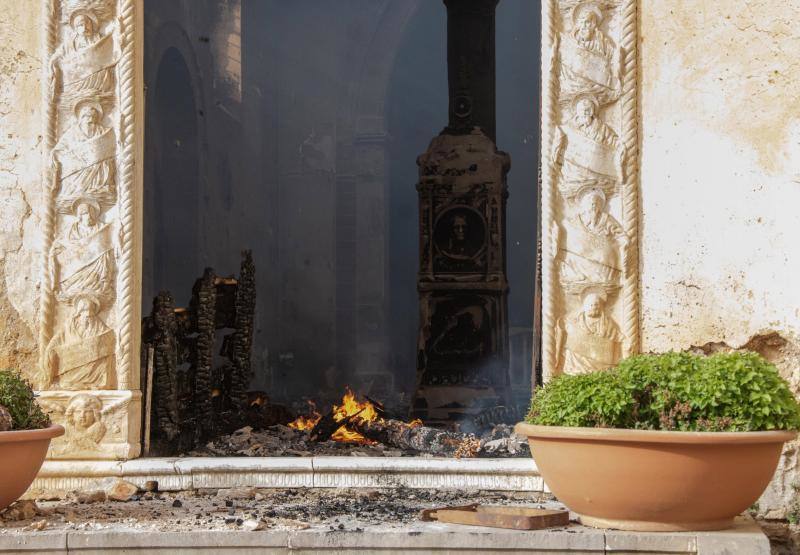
(418, 538)
(180, 474)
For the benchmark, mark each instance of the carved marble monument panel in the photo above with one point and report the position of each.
(88, 378)
(590, 206)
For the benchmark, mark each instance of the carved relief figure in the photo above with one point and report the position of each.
(460, 234)
(82, 261)
(81, 354)
(457, 243)
(463, 334)
(588, 340)
(594, 247)
(588, 152)
(590, 60)
(84, 159)
(84, 424)
(85, 60)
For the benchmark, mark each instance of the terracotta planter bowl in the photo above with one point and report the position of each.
(655, 481)
(21, 456)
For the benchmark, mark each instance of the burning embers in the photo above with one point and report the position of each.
(343, 419)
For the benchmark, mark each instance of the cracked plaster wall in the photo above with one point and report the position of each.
(20, 178)
(721, 185)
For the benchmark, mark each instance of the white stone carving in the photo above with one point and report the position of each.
(85, 59)
(84, 164)
(89, 285)
(589, 58)
(594, 249)
(81, 355)
(587, 151)
(589, 185)
(99, 424)
(588, 340)
(82, 260)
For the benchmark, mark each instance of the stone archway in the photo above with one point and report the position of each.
(172, 188)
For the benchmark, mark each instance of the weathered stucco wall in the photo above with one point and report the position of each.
(20, 181)
(721, 183)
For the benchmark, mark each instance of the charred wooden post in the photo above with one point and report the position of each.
(162, 335)
(194, 404)
(203, 308)
(243, 336)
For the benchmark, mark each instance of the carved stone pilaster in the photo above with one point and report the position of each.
(590, 184)
(89, 294)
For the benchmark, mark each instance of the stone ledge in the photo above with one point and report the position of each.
(179, 474)
(419, 537)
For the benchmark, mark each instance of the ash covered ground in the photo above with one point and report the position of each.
(244, 509)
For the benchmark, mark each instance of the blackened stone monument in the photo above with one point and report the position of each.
(462, 362)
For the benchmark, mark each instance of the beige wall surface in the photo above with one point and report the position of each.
(720, 171)
(20, 178)
(720, 131)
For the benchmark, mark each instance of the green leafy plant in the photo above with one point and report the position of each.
(673, 391)
(17, 396)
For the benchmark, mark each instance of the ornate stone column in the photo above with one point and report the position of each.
(89, 313)
(590, 184)
(462, 362)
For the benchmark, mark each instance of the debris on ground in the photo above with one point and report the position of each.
(279, 440)
(120, 490)
(245, 509)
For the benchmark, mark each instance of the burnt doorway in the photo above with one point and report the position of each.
(304, 152)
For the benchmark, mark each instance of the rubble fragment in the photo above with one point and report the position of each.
(121, 491)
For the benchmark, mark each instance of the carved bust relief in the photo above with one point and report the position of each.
(587, 151)
(81, 355)
(84, 60)
(84, 164)
(590, 59)
(459, 239)
(588, 340)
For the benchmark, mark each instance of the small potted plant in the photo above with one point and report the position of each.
(25, 434)
(666, 442)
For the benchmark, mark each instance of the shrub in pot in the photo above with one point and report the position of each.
(663, 442)
(25, 434)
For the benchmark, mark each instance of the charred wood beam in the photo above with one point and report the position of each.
(165, 367)
(401, 435)
(243, 336)
(203, 307)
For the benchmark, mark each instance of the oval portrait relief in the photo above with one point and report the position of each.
(460, 233)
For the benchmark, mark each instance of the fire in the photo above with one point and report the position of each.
(307, 422)
(351, 408)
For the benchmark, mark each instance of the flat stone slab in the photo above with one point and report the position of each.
(420, 538)
(181, 474)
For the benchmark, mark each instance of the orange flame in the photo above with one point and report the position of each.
(351, 408)
(307, 422)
